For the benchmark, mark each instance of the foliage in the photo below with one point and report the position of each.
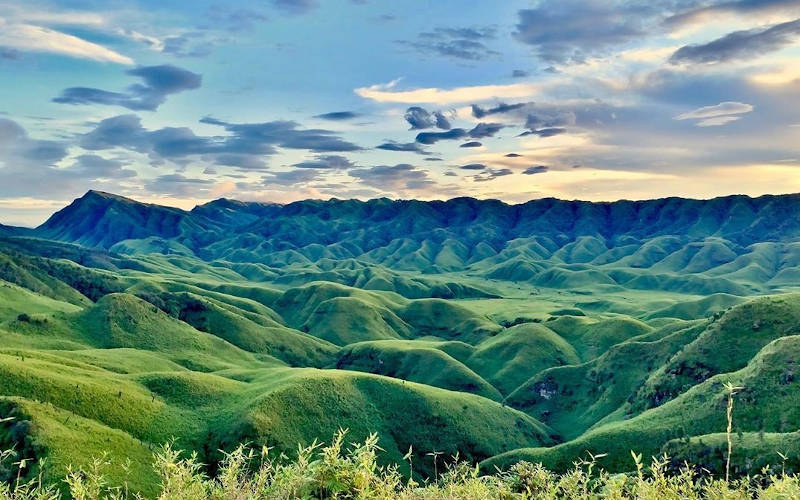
(352, 471)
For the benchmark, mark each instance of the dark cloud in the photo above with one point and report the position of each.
(178, 185)
(473, 166)
(291, 177)
(459, 43)
(244, 147)
(519, 73)
(538, 169)
(491, 174)
(541, 119)
(545, 132)
(548, 118)
(190, 44)
(745, 44)
(512, 155)
(338, 115)
(334, 162)
(746, 7)
(434, 137)
(471, 144)
(295, 7)
(410, 147)
(158, 83)
(392, 178)
(10, 54)
(240, 161)
(483, 130)
(18, 150)
(28, 167)
(479, 112)
(420, 118)
(286, 134)
(91, 167)
(574, 30)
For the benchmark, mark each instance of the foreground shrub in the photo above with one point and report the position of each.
(351, 471)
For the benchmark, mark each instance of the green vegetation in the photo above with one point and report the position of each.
(537, 333)
(339, 470)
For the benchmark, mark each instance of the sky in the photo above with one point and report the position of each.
(180, 102)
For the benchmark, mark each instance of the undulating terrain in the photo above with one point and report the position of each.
(539, 331)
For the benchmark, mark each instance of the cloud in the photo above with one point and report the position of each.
(338, 115)
(479, 112)
(240, 161)
(387, 93)
(520, 73)
(491, 174)
(471, 144)
(746, 44)
(179, 185)
(568, 31)
(544, 120)
(286, 134)
(32, 38)
(410, 147)
(538, 169)
(29, 167)
(480, 131)
(10, 54)
(19, 151)
(91, 167)
(291, 177)
(719, 114)
(473, 166)
(420, 118)
(399, 177)
(434, 137)
(189, 44)
(717, 121)
(244, 146)
(739, 7)
(158, 83)
(512, 155)
(483, 130)
(335, 162)
(545, 132)
(295, 7)
(459, 43)
(723, 108)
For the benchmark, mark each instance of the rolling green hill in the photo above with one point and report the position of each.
(502, 332)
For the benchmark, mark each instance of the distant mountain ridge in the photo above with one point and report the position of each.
(732, 234)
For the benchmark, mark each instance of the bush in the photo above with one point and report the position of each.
(340, 471)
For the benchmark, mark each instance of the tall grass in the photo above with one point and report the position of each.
(352, 471)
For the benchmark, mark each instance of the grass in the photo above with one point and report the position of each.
(343, 469)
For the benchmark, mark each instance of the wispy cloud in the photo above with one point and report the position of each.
(32, 38)
(718, 114)
(740, 45)
(477, 93)
(159, 82)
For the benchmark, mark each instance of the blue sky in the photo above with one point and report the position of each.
(182, 102)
